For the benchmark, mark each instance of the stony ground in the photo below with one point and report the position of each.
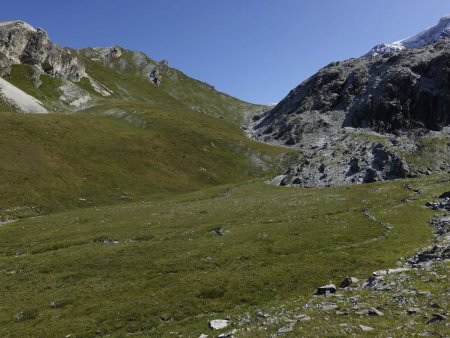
(412, 299)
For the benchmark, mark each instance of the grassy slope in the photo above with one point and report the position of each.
(52, 161)
(167, 272)
(177, 91)
(170, 141)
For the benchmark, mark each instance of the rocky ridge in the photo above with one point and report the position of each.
(115, 56)
(338, 116)
(20, 43)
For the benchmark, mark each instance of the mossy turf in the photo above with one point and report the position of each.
(157, 266)
(53, 162)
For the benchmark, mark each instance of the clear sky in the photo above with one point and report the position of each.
(256, 50)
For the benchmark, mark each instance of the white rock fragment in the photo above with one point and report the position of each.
(365, 328)
(218, 324)
(73, 95)
(380, 273)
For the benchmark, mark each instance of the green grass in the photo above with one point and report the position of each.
(47, 93)
(153, 267)
(129, 84)
(177, 91)
(55, 161)
(117, 207)
(432, 152)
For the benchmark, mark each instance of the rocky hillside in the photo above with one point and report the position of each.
(358, 120)
(121, 126)
(20, 43)
(67, 80)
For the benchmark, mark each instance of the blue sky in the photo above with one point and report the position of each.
(256, 50)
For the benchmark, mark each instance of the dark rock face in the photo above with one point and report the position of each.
(155, 76)
(22, 44)
(356, 121)
(112, 53)
(155, 72)
(326, 289)
(388, 93)
(445, 195)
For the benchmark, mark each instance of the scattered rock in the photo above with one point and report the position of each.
(413, 310)
(227, 334)
(219, 324)
(326, 289)
(218, 231)
(437, 317)
(25, 315)
(380, 273)
(442, 204)
(445, 195)
(361, 312)
(284, 330)
(342, 313)
(348, 281)
(328, 307)
(302, 318)
(260, 314)
(365, 328)
(374, 312)
(434, 253)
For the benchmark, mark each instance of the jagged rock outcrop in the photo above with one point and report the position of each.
(111, 53)
(22, 44)
(403, 91)
(399, 92)
(134, 61)
(154, 73)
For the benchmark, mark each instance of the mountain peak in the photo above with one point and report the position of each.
(441, 31)
(17, 23)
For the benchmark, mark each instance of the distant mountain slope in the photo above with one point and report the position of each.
(65, 79)
(439, 32)
(121, 126)
(348, 117)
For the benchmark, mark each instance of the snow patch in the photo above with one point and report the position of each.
(429, 36)
(17, 97)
